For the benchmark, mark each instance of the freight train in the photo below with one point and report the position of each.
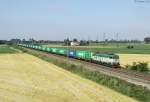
(99, 57)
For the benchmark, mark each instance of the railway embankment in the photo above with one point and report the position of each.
(102, 77)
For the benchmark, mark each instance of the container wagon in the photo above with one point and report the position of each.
(85, 55)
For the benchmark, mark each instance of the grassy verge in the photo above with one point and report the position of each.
(138, 92)
(4, 49)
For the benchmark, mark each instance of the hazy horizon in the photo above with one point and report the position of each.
(81, 19)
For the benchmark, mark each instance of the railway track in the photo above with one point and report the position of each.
(128, 75)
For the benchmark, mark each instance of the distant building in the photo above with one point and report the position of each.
(75, 43)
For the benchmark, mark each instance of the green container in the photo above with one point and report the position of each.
(44, 48)
(36, 47)
(48, 49)
(62, 51)
(54, 50)
(40, 48)
(32, 46)
(86, 55)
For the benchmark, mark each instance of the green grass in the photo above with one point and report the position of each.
(138, 49)
(121, 48)
(4, 49)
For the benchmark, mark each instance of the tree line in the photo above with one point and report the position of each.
(67, 41)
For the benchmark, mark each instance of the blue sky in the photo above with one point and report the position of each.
(82, 19)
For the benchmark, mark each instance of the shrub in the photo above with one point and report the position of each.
(140, 66)
(130, 46)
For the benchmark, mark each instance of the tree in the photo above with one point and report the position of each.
(147, 40)
(75, 40)
(130, 46)
(96, 41)
(15, 40)
(67, 42)
(140, 66)
(83, 43)
(3, 41)
(31, 40)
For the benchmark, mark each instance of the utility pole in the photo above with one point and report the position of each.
(117, 35)
(89, 40)
(68, 48)
(104, 35)
(97, 40)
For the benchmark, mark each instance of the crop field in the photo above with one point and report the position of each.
(130, 58)
(7, 49)
(25, 78)
(121, 48)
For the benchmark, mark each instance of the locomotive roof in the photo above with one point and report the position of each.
(107, 53)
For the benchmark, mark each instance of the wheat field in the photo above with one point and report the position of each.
(130, 58)
(25, 78)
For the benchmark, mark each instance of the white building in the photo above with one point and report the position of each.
(75, 43)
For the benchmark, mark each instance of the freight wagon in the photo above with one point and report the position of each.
(48, 49)
(62, 51)
(54, 50)
(43, 48)
(71, 53)
(85, 55)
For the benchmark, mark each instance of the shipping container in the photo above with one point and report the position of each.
(62, 51)
(40, 48)
(44, 48)
(36, 47)
(86, 55)
(54, 50)
(33, 46)
(72, 53)
(48, 49)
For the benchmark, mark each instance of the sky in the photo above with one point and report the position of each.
(81, 19)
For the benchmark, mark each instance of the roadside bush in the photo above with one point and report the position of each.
(130, 46)
(140, 66)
